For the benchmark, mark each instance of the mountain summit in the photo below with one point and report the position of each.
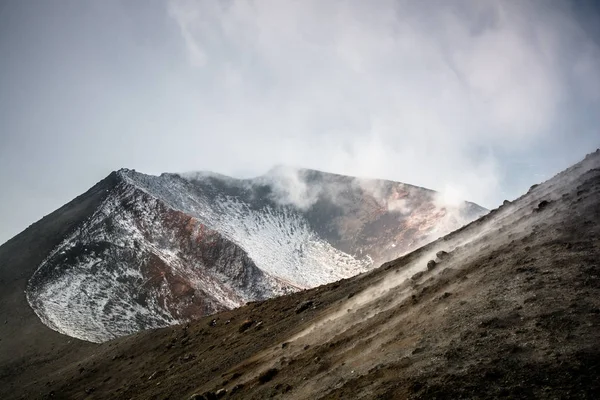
(161, 250)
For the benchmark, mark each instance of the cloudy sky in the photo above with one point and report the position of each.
(476, 98)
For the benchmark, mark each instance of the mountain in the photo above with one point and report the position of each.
(507, 306)
(139, 251)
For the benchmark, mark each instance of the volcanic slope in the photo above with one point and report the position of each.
(510, 307)
(162, 250)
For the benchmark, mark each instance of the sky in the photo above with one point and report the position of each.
(478, 99)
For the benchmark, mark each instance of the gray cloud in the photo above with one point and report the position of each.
(477, 99)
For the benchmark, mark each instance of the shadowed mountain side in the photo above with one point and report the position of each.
(22, 335)
(505, 306)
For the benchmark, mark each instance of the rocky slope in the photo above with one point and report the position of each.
(507, 306)
(161, 250)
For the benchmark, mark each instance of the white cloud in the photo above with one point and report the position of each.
(422, 92)
(290, 187)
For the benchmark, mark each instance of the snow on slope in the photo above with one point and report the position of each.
(165, 249)
(128, 268)
(87, 298)
(278, 240)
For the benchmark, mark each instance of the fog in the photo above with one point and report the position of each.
(475, 99)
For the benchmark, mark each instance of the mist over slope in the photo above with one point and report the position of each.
(508, 308)
(161, 250)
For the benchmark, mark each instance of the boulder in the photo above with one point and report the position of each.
(417, 275)
(305, 305)
(245, 325)
(267, 375)
(543, 204)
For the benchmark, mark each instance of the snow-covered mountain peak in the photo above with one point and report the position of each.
(164, 249)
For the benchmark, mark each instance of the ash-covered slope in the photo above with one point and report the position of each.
(510, 308)
(162, 250)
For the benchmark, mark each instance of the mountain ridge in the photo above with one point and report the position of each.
(129, 267)
(509, 308)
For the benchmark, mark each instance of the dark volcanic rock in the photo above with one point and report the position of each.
(431, 264)
(267, 375)
(245, 325)
(543, 204)
(305, 305)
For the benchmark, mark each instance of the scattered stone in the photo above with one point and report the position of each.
(188, 357)
(284, 345)
(351, 295)
(543, 204)
(505, 202)
(526, 270)
(212, 323)
(442, 255)
(245, 325)
(220, 393)
(417, 275)
(209, 396)
(285, 388)
(267, 375)
(236, 375)
(305, 305)
(431, 265)
(237, 388)
(445, 295)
